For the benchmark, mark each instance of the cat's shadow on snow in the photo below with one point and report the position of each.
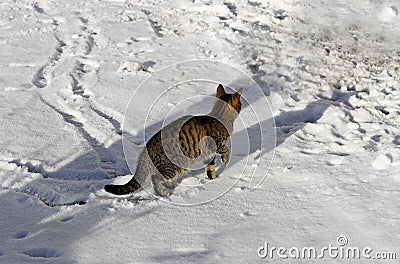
(286, 124)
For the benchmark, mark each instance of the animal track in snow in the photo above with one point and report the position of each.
(156, 28)
(38, 8)
(246, 214)
(89, 40)
(89, 44)
(67, 218)
(21, 234)
(81, 49)
(77, 88)
(42, 253)
(194, 253)
(382, 161)
(30, 167)
(232, 8)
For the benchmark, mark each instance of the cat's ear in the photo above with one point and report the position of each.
(238, 93)
(220, 91)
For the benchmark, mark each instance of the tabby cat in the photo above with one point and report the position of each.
(178, 146)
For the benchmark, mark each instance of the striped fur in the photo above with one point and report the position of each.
(177, 147)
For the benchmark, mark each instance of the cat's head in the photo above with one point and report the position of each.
(225, 102)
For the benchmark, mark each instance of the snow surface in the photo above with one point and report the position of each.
(330, 71)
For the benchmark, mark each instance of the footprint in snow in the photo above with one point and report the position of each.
(246, 214)
(42, 253)
(21, 234)
(387, 14)
(382, 161)
(67, 218)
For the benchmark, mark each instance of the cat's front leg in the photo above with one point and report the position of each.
(210, 169)
(225, 153)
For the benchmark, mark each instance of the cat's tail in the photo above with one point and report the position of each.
(128, 188)
(133, 185)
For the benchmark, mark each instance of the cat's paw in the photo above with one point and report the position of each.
(211, 174)
(225, 158)
(169, 184)
(164, 192)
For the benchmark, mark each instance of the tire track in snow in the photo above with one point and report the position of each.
(115, 123)
(78, 88)
(41, 77)
(106, 164)
(84, 46)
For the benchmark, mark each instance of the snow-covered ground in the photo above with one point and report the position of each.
(329, 69)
